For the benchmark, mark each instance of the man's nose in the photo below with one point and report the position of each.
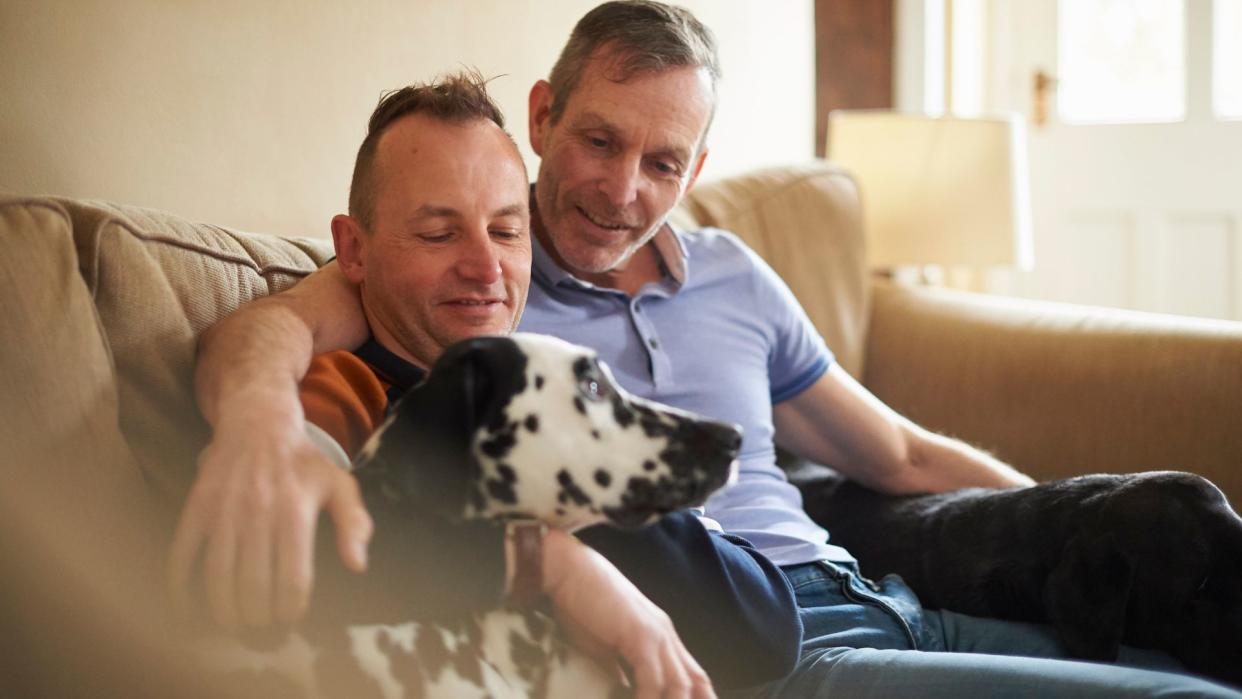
(621, 179)
(479, 260)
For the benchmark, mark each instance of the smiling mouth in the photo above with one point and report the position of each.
(475, 303)
(602, 224)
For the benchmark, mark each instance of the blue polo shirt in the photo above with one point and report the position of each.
(720, 335)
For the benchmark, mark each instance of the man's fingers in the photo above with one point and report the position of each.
(220, 576)
(648, 674)
(186, 544)
(295, 560)
(353, 524)
(254, 576)
(703, 690)
(700, 683)
(676, 679)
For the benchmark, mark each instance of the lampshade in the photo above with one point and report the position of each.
(937, 190)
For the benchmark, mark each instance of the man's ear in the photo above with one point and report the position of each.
(540, 114)
(350, 242)
(698, 167)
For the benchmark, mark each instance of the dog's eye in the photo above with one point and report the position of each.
(591, 388)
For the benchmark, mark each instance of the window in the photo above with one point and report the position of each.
(969, 51)
(1122, 60)
(1227, 59)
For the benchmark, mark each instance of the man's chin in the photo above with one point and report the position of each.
(596, 259)
(465, 332)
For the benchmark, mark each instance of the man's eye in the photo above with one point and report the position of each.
(665, 167)
(435, 237)
(598, 142)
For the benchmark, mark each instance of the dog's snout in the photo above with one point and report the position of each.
(728, 435)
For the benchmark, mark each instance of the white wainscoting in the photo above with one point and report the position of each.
(1188, 263)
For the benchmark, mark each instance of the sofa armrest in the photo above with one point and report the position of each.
(1057, 389)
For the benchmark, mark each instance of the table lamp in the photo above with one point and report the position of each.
(937, 191)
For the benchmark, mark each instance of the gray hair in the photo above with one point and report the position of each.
(643, 35)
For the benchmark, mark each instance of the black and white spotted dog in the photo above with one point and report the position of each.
(524, 426)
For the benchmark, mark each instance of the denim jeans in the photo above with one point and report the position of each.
(869, 639)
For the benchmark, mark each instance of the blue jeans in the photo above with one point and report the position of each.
(867, 639)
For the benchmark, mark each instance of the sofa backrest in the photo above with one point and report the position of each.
(58, 398)
(806, 221)
(147, 283)
(156, 281)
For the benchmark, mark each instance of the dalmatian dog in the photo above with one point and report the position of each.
(523, 426)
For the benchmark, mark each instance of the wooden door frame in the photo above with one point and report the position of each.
(854, 42)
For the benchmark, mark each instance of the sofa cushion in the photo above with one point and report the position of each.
(81, 544)
(806, 222)
(58, 398)
(158, 281)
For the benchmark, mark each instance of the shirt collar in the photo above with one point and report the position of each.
(402, 375)
(673, 253)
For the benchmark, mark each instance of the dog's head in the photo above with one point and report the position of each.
(532, 426)
(1164, 562)
(1190, 569)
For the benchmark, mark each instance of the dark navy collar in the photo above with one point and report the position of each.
(399, 374)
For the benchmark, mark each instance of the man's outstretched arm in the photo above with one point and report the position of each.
(250, 516)
(836, 421)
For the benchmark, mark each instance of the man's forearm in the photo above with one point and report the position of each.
(237, 361)
(258, 355)
(940, 463)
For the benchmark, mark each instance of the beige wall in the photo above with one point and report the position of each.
(248, 114)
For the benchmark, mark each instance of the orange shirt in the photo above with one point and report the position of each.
(347, 394)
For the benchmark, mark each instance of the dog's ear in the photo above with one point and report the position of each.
(1086, 596)
(494, 372)
(422, 454)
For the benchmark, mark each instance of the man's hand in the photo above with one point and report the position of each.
(252, 514)
(606, 616)
(261, 483)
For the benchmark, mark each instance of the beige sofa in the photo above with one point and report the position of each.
(102, 305)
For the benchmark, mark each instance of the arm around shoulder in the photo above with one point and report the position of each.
(261, 483)
(266, 346)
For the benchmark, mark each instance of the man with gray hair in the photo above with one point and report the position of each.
(696, 319)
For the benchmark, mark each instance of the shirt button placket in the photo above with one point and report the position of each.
(660, 369)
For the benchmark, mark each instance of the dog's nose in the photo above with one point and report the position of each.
(729, 436)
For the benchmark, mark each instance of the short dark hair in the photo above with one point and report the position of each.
(455, 98)
(643, 35)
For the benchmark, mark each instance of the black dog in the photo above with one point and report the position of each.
(1152, 560)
